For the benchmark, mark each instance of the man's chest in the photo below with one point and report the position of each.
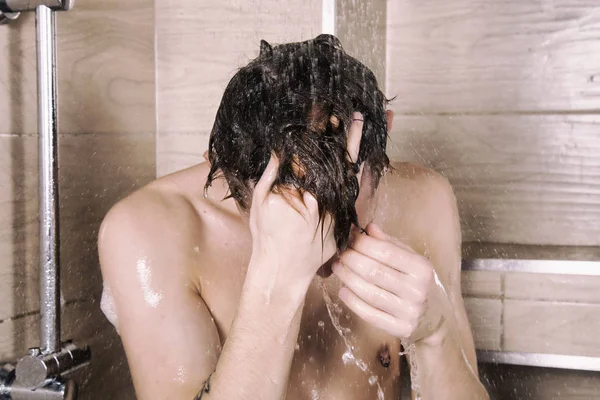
(339, 356)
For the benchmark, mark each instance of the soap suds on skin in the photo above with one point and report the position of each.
(107, 305)
(151, 296)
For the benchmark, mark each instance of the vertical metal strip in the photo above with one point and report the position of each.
(48, 180)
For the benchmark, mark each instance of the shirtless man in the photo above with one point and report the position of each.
(219, 297)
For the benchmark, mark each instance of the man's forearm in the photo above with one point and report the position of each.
(443, 371)
(257, 355)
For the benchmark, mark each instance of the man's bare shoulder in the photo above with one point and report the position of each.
(151, 208)
(159, 219)
(415, 203)
(417, 178)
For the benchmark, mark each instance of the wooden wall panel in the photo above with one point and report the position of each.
(485, 317)
(361, 27)
(482, 284)
(555, 328)
(529, 179)
(105, 57)
(533, 312)
(485, 56)
(95, 173)
(553, 288)
(199, 48)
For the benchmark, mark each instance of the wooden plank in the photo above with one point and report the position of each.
(490, 56)
(19, 245)
(180, 150)
(192, 73)
(96, 171)
(547, 287)
(482, 284)
(105, 58)
(485, 319)
(518, 179)
(17, 335)
(361, 27)
(551, 327)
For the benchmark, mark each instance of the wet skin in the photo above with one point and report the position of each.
(177, 261)
(197, 251)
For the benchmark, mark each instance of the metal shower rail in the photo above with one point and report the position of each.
(37, 375)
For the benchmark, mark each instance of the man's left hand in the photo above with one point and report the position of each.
(389, 285)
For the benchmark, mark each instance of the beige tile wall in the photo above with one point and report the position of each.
(107, 149)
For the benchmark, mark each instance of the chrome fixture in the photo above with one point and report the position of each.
(6, 17)
(10, 9)
(38, 375)
(15, 6)
(579, 363)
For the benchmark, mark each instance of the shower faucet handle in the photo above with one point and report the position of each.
(6, 17)
(57, 389)
(16, 6)
(35, 369)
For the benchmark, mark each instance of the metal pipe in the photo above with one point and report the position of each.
(8, 6)
(48, 180)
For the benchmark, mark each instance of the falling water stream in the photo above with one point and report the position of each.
(334, 311)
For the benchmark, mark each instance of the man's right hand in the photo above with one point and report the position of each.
(290, 242)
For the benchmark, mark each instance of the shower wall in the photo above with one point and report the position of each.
(107, 149)
(199, 48)
(503, 98)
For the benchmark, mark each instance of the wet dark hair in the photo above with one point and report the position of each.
(297, 100)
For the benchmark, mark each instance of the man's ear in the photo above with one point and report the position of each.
(389, 117)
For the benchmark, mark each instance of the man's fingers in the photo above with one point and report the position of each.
(263, 186)
(360, 173)
(375, 231)
(355, 136)
(389, 118)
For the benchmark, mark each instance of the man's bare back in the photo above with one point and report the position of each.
(176, 262)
